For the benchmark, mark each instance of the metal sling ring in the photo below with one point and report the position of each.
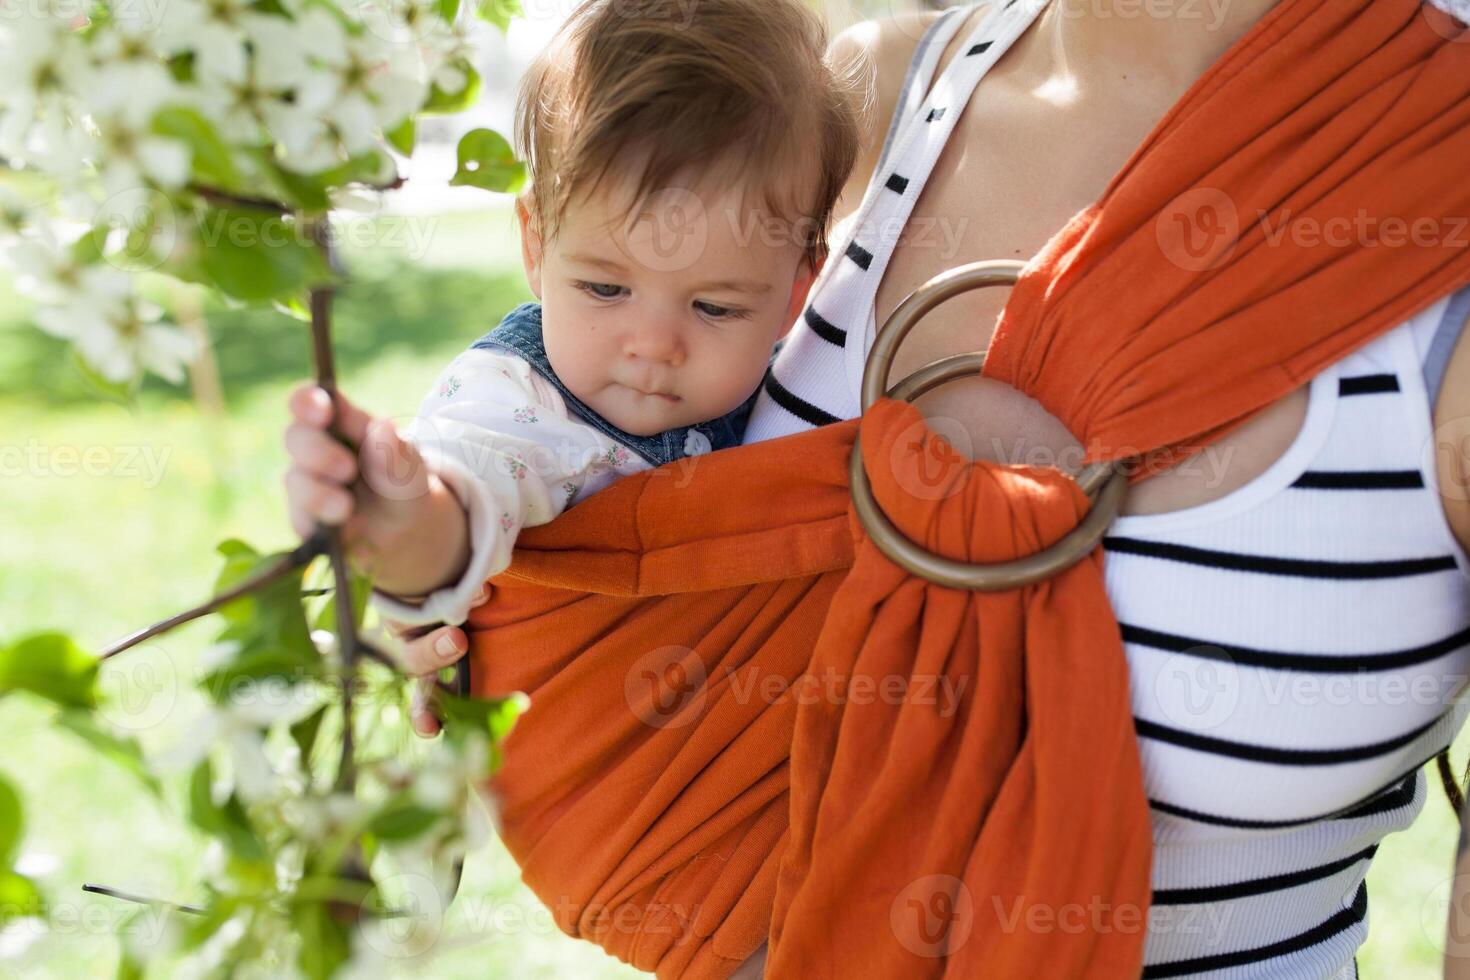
(1105, 483)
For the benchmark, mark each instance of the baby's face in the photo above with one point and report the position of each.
(665, 318)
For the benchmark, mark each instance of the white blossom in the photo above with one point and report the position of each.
(43, 62)
(359, 83)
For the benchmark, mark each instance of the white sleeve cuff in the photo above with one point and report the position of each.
(452, 603)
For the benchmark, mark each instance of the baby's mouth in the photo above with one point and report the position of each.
(671, 399)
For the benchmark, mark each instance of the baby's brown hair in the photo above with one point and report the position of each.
(736, 90)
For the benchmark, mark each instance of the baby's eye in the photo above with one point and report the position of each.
(598, 289)
(721, 312)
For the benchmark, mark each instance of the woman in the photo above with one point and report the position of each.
(1263, 830)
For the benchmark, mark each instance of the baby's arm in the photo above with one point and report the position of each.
(440, 502)
(499, 438)
(399, 522)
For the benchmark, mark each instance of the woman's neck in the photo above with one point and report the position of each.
(1164, 45)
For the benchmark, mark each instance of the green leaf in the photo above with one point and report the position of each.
(492, 716)
(256, 256)
(181, 67)
(324, 940)
(18, 896)
(268, 625)
(500, 12)
(297, 191)
(122, 751)
(52, 666)
(226, 821)
(213, 163)
(487, 161)
(11, 823)
(123, 392)
(402, 819)
(362, 590)
(304, 733)
(442, 101)
(295, 307)
(449, 10)
(362, 168)
(403, 135)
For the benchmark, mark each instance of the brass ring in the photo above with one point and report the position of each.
(1105, 483)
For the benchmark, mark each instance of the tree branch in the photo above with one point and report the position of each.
(279, 569)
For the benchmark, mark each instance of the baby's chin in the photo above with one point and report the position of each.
(645, 415)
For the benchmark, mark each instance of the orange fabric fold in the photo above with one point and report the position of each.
(747, 726)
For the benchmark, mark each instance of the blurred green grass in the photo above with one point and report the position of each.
(101, 555)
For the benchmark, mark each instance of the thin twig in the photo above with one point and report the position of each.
(279, 569)
(326, 379)
(230, 199)
(141, 900)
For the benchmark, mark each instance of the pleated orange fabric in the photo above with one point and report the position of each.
(747, 726)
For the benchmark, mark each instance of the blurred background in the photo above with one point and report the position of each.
(103, 549)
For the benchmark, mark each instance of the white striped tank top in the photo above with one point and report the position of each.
(1297, 649)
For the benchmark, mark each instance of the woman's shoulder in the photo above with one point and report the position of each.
(1452, 438)
(878, 52)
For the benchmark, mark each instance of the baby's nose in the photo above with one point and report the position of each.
(654, 339)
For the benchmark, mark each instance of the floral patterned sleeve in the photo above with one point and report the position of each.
(500, 437)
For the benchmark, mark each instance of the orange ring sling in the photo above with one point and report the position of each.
(748, 725)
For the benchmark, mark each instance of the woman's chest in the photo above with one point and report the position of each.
(1005, 198)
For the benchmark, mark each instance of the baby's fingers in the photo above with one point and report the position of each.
(425, 722)
(319, 454)
(433, 651)
(312, 501)
(311, 405)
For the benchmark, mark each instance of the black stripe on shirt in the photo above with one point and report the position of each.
(1398, 795)
(1361, 480)
(860, 255)
(1310, 663)
(1258, 886)
(1268, 565)
(1375, 803)
(1368, 384)
(935, 114)
(980, 48)
(897, 184)
(804, 410)
(1273, 754)
(1340, 921)
(824, 328)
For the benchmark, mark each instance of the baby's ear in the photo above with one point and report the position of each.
(532, 248)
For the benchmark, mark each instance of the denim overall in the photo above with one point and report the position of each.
(520, 334)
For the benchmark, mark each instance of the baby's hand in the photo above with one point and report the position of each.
(376, 512)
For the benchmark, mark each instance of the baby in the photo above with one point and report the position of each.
(684, 163)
